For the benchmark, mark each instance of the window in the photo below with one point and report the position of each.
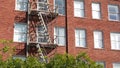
(96, 13)
(98, 39)
(115, 41)
(41, 5)
(59, 35)
(61, 6)
(101, 63)
(42, 36)
(21, 5)
(20, 32)
(116, 65)
(113, 12)
(79, 8)
(80, 38)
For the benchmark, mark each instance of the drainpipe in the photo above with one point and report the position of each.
(66, 27)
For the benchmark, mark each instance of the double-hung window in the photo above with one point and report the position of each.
(113, 12)
(21, 5)
(116, 65)
(20, 32)
(98, 39)
(79, 8)
(96, 13)
(115, 41)
(59, 36)
(61, 6)
(80, 38)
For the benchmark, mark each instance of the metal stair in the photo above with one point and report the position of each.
(41, 54)
(38, 34)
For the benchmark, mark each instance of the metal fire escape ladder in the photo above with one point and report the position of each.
(41, 54)
(44, 33)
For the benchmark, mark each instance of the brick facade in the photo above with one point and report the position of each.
(8, 16)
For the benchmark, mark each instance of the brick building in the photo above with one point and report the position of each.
(93, 27)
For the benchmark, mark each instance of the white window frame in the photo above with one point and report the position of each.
(116, 14)
(18, 35)
(60, 7)
(19, 4)
(58, 37)
(96, 11)
(115, 41)
(116, 64)
(98, 39)
(79, 9)
(79, 38)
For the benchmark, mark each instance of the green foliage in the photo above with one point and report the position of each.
(5, 49)
(58, 61)
(68, 61)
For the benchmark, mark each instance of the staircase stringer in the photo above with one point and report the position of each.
(43, 23)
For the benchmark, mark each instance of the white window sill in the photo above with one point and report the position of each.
(113, 20)
(98, 48)
(20, 10)
(115, 49)
(19, 42)
(80, 47)
(79, 17)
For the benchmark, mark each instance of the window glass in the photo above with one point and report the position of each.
(79, 8)
(61, 6)
(113, 12)
(21, 5)
(20, 32)
(96, 12)
(59, 36)
(116, 65)
(115, 41)
(80, 38)
(98, 39)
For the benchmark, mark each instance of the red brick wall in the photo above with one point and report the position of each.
(8, 15)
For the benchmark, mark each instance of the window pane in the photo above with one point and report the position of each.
(116, 65)
(78, 13)
(98, 41)
(113, 9)
(95, 15)
(61, 40)
(113, 12)
(82, 34)
(114, 17)
(77, 41)
(20, 37)
(96, 6)
(20, 28)
(59, 35)
(61, 32)
(98, 44)
(82, 43)
(80, 39)
(115, 41)
(21, 5)
(78, 8)
(20, 32)
(77, 33)
(61, 5)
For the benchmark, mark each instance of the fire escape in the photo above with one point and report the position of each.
(40, 13)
